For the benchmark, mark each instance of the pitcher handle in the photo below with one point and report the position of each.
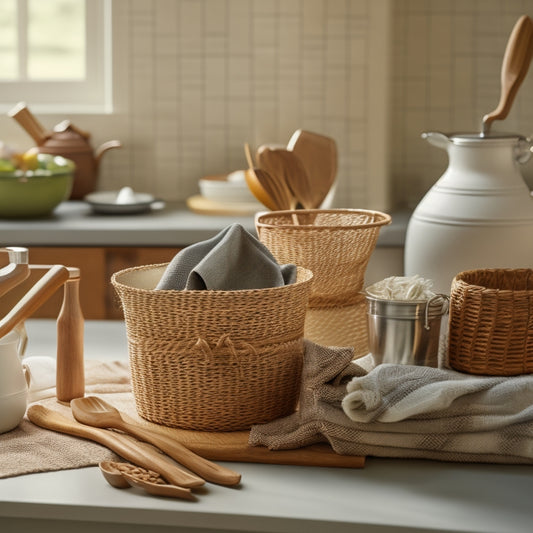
(523, 150)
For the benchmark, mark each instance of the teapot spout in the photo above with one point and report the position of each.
(99, 152)
(440, 140)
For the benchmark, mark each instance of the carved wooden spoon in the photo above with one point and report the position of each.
(124, 475)
(98, 413)
(515, 65)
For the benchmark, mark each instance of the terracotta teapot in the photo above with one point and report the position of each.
(68, 141)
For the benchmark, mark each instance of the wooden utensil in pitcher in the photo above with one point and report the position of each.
(516, 61)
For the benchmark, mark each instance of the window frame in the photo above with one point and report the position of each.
(94, 94)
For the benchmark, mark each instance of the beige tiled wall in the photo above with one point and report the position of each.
(195, 79)
(198, 78)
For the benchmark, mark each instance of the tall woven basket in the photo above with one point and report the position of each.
(491, 322)
(336, 245)
(213, 360)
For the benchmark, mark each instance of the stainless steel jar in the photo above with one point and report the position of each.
(405, 331)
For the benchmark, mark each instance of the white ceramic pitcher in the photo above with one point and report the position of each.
(13, 384)
(479, 214)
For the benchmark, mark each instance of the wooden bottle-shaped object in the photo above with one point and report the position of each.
(70, 377)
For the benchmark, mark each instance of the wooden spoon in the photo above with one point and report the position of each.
(255, 179)
(289, 169)
(123, 475)
(515, 65)
(172, 491)
(318, 155)
(123, 445)
(98, 413)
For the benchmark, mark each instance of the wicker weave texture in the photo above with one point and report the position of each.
(213, 360)
(335, 244)
(491, 322)
(339, 326)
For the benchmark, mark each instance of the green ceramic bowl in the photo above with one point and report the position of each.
(36, 193)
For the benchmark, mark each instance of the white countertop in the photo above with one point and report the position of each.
(74, 224)
(386, 495)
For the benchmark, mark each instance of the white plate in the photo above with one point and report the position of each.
(219, 189)
(105, 202)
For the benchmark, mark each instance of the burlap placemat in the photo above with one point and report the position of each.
(29, 448)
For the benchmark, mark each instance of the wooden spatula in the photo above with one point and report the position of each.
(318, 155)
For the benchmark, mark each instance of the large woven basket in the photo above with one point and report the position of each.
(336, 245)
(213, 360)
(491, 322)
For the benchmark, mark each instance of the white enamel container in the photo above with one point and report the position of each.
(479, 214)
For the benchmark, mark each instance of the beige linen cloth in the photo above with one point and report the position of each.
(405, 411)
(29, 448)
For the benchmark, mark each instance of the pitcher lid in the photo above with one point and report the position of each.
(466, 137)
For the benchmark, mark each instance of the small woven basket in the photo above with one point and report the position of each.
(336, 245)
(491, 322)
(213, 360)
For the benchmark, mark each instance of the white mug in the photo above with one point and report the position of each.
(13, 383)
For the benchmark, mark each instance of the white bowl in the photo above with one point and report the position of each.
(222, 189)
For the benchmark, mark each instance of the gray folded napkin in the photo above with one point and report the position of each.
(405, 411)
(231, 260)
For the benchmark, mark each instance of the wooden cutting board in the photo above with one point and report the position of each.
(233, 446)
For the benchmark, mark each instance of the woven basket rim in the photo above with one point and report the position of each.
(385, 220)
(459, 279)
(305, 272)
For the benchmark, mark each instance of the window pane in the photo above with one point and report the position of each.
(56, 39)
(8, 40)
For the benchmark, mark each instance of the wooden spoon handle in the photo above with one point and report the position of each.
(516, 61)
(206, 469)
(120, 444)
(34, 298)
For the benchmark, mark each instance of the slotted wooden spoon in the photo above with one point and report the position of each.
(122, 480)
(98, 413)
(516, 61)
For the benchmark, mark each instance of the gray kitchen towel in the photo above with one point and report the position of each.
(485, 419)
(392, 393)
(231, 260)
